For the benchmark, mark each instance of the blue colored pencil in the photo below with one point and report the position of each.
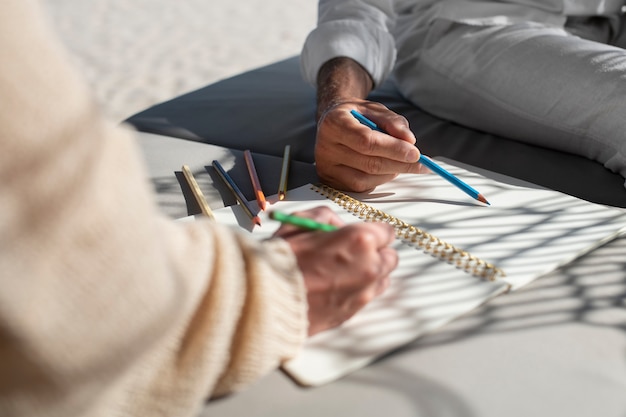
(437, 169)
(245, 204)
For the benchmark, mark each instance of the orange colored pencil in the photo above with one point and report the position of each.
(260, 197)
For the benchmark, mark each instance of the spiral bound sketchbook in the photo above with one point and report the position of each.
(455, 255)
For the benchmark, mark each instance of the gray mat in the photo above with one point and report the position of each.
(264, 109)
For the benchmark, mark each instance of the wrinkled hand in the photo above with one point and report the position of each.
(343, 270)
(351, 156)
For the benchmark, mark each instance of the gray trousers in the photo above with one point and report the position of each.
(558, 87)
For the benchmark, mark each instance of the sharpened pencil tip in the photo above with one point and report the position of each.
(483, 199)
(262, 203)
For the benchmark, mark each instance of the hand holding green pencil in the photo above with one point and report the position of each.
(343, 269)
(303, 222)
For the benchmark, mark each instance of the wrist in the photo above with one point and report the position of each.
(340, 80)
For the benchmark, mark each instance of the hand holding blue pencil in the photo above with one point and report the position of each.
(426, 161)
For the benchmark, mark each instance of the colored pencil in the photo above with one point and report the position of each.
(245, 204)
(260, 197)
(432, 165)
(303, 222)
(197, 193)
(284, 173)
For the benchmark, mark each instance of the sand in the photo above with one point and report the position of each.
(136, 53)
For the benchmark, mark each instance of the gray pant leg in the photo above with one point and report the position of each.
(528, 82)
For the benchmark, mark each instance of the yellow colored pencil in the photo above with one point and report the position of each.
(282, 188)
(197, 193)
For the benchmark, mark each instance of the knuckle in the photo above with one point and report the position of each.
(361, 241)
(380, 107)
(410, 168)
(359, 184)
(399, 119)
(371, 144)
(363, 298)
(374, 165)
(368, 144)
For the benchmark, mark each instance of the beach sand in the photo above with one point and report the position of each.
(136, 53)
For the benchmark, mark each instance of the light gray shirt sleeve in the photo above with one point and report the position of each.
(357, 29)
(364, 29)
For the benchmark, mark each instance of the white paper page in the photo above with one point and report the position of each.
(424, 294)
(526, 231)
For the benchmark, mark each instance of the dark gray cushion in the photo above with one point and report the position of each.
(269, 107)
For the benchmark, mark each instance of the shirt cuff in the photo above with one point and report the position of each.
(373, 48)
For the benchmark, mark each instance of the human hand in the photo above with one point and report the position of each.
(343, 270)
(351, 156)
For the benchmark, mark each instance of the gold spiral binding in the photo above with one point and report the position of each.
(414, 235)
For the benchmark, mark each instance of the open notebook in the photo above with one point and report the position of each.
(526, 232)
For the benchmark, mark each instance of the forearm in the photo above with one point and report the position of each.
(339, 80)
(346, 156)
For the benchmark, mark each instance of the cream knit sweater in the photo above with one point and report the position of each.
(106, 307)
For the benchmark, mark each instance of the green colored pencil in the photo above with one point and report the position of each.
(303, 222)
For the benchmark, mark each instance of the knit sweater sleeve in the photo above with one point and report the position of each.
(106, 307)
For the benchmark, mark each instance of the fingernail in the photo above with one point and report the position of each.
(412, 156)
